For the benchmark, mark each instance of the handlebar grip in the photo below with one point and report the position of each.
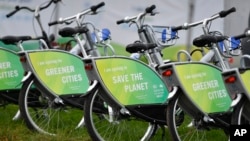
(226, 12)
(120, 21)
(150, 9)
(176, 28)
(240, 36)
(56, 1)
(53, 23)
(95, 7)
(13, 12)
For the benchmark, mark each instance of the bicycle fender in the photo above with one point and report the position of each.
(172, 93)
(92, 87)
(236, 100)
(26, 76)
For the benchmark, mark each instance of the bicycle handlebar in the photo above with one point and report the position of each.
(91, 9)
(246, 34)
(17, 8)
(148, 10)
(221, 14)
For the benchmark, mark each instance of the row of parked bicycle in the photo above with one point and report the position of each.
(123, 98)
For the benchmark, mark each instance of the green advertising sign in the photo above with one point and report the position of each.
(131, 82)
(60, 72)
(204, 86)
(245, 78)
(11, 70)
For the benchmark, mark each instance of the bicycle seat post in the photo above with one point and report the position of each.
(81, 45)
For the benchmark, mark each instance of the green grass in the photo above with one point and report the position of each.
(17, 131)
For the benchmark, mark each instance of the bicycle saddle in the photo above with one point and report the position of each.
(14, 39)
(139, 47)
(205, 40)
(70, 31)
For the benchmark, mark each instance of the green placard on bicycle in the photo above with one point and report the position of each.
(245, 78)
(60, 72)
(11, 70)
(131, 82)
(204, 86)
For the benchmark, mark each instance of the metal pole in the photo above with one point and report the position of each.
(190, 20)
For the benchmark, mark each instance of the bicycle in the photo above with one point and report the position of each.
(11, 74)
(236, 81)
(129, 115)
(194, 79)
(59, 104)
(11, 84)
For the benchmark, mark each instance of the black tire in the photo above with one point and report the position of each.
(196, 50)
(238, 116)
(245, 43)
(187, 129)
(3, 102)
(122, 127)
(43, 115)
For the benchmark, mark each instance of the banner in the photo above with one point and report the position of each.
(60, 72)
(204, 86)
(132, 82)
(11, 70)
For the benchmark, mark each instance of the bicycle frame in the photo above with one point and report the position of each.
(147, 35)
(18, 71)
(186, 87)
(52, 63)
(154, 58)
(37, 17)
(201, 91)
(59, 81)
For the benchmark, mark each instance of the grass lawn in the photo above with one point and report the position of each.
(17, 131)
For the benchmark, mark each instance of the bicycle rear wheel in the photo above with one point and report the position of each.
(102, 125)
(189, 129)
(41, 113)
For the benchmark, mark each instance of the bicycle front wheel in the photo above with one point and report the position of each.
(107, 123)
(188, 129)
(42, 114)
(240, 112)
